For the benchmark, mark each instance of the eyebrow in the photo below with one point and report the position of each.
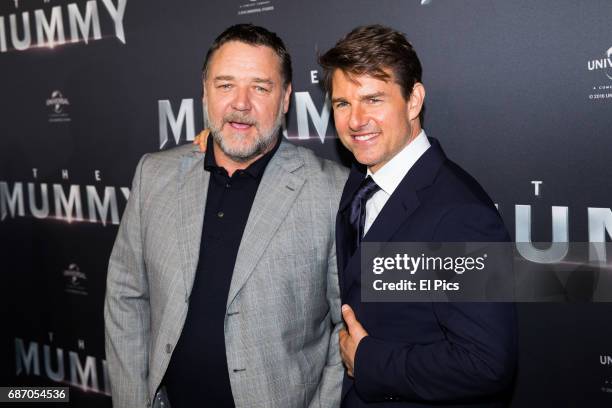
(223, 78)
(263, 81)
(361, 98)
(256, 80)
(371, 96)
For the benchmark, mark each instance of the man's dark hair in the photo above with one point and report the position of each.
(252, 35)
(369, 50)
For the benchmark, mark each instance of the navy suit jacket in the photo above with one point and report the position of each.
(425, 354)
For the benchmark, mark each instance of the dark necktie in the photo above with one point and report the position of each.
(357, 211)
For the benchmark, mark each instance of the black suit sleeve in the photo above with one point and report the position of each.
(477, 356)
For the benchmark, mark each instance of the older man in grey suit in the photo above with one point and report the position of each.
(222, 285)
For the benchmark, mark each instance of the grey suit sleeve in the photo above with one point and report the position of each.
(126, 308)
(330, 387)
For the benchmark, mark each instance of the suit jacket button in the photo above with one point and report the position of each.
(168, 348)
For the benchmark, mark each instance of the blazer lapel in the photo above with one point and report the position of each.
(404, 200)
(279, 187)
(193, 187)
(398, 208)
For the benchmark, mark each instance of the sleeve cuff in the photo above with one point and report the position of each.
(368, 380)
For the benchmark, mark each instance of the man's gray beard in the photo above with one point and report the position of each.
(244, 154)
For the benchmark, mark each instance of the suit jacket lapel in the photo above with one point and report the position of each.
(404, 200)
(193, 187)
(278, 189)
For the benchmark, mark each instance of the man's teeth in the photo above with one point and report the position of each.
(240, 125)
(363, 138)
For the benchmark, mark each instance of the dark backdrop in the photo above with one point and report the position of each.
(517, 92)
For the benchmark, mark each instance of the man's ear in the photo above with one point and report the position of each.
(286, 98)
(204, 92)
(204, 106)
(415, 101)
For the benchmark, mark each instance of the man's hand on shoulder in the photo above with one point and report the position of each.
(201, 139)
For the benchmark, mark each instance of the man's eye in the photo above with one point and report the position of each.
(340, 105)
(374, 100)
(225, 86)
(261, 89)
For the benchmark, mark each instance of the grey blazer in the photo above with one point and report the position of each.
(283, 309)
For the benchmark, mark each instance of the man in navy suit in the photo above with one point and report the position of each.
(404, 189)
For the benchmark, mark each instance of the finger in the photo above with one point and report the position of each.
(355, 329)
(349, 317)
(198, 138)
(201, 139)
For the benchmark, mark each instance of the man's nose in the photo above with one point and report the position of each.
(241, 102)
(358, 118)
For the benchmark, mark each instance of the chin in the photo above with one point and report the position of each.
(366, 160)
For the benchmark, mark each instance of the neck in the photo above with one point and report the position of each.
(414, 132)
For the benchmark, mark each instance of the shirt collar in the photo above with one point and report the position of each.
(389, 176)
(255, 169)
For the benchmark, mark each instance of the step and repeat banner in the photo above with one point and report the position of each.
(518, 92)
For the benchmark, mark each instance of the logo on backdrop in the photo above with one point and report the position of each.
(62, 200)
(606, 361)
(176, 120)
(602, 67)
(57, 103)
(75, 280)
(263, 6)
(254, 7)
(602, 64)
(70, 365)
(68, 23)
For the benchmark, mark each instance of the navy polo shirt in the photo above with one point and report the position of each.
(198, 373)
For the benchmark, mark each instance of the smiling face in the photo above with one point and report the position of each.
(372, 118)
(244, 100)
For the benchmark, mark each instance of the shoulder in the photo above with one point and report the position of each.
(461, 208)
(319, 170)
(458, 187)
(466, 212)
(167, 158)
(158, 169)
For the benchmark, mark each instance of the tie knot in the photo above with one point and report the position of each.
(366, 190)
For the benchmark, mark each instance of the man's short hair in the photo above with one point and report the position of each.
(252, 35)
(368, 50)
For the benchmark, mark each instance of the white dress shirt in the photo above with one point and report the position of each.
(389, 176)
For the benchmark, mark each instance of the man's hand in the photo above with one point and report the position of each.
(349, 340)
(201, 139)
